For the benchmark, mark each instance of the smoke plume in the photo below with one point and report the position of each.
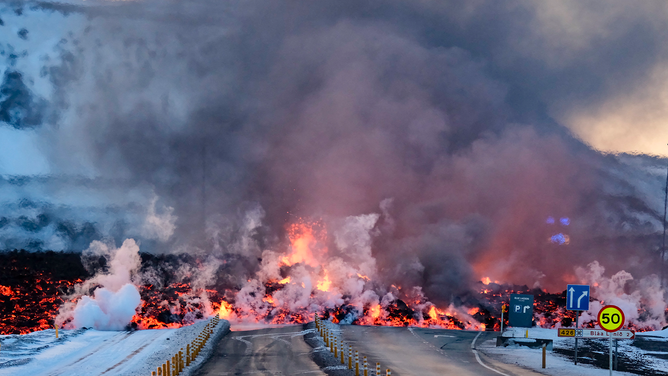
(427, 144)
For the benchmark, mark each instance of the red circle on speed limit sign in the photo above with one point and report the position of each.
(611, 318)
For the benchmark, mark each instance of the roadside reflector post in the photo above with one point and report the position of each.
(350, 357)
(169, 370)
(159, 371)
(389, 373)
(181, 360)
(336, 347)
(187, 355)
(544, 351)
(152, 373)
(164, 369)
(342, 353)
(366, 367)
(526, 335)
(357, 363)
(56, 326)
(377, 369)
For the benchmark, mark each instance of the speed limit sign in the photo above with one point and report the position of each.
(611, 318)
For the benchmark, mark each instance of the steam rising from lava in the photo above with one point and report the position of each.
(115, 297)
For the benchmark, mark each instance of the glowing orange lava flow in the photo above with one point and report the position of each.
(304, 244)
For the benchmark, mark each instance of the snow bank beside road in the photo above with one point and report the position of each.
(592, 353)
(92, 352)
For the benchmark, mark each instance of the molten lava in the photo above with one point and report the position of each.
(304, 280)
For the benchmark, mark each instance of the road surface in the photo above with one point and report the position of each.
(269, 351)
(413, 351)
(406, 351)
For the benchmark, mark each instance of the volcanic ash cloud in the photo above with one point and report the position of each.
(115, 297)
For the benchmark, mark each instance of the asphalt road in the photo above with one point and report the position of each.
(413, 351)
(269, 351)
(295, 350)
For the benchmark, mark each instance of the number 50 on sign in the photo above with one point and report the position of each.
(611, 318)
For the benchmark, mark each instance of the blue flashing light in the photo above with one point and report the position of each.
(565, 221)
(560, 239)
(550, 220)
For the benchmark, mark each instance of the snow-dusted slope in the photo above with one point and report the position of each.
(91, 352)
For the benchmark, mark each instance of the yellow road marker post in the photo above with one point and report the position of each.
(366, 367)
(56, 326)
(377, 369)
(342, 352)
(544, 350)
(169, 369)
(389, 373)
(350, 357)
(357, 363)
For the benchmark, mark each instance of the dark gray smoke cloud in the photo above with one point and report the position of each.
(325, 110)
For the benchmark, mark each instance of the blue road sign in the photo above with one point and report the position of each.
(521, 310)
(577, 297)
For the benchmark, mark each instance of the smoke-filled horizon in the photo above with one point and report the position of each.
(211, 127)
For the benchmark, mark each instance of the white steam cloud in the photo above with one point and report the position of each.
(115, 296)
(642, 301)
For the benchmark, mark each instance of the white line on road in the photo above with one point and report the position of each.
(249, 345)
(477, 357)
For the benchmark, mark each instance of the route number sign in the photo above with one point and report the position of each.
(595, 333)
(611, 318)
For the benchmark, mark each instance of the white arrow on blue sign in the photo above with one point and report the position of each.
(577, 297)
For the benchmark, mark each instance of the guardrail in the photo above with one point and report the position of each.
(337, 347)
(178, 362)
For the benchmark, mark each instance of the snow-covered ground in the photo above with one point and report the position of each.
(559, 364)
(91, 352)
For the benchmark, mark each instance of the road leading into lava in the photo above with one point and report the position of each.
(294, 350)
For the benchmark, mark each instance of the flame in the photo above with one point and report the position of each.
(432, 313)
(225, 311)
(375, 311)
(363, 277)
(324, 284)
(7, 291)
(284, 280)
(304, 238)
(486, 281)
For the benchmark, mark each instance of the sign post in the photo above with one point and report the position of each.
(577, 299)
(611, 319)
(503, 308)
